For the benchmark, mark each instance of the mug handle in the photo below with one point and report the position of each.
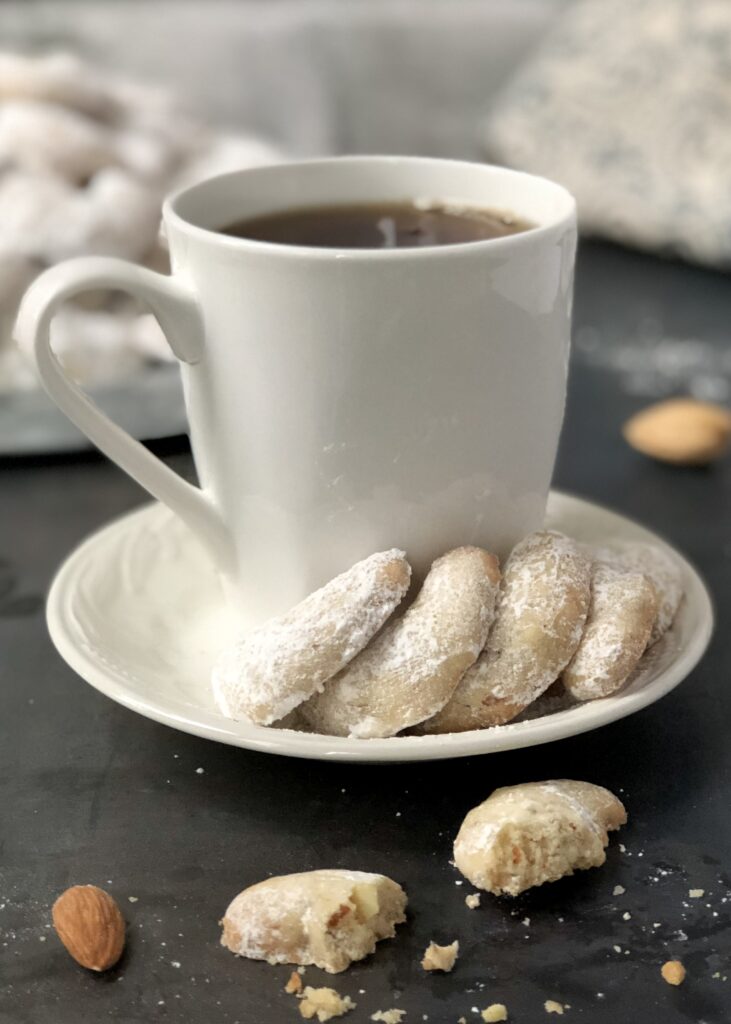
(180, 318)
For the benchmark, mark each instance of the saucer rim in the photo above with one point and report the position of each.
(65, 635)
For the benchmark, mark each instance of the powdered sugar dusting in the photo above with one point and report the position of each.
(621, 617)
(279, 665)
(411, 670)
(536, 832)
(538, 625)
(659, 567)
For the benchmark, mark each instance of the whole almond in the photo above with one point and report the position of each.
(90, 925)
(681, 430)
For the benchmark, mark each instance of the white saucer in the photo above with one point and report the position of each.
(139, 613)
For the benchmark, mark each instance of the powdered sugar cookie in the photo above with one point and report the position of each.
(279, 665)
(325, 918)
(58, 78)
(661, 569)
(622, 613)
(42, 137)
(540, 618)
(411, 671)
(537, 832)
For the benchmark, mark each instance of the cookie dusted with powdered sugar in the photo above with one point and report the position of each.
(325, 918)
(659, 567)
(410, 671)
(284, 662)
(540, 618)
(622, 614)
(523, 836)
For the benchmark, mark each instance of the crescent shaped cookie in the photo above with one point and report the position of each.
(659, 567)
(325, 918)
(540, 618)
(621, 617)
(412, 669)
(279, 665)
(523, 836)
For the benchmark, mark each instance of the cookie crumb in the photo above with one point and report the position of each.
(618, 890)
(673, 972)
(389, 1016)
(324, 1003)
(626, 916)
(495, 1012)
(696, 894)
(551, 1006)
(440, 958)
(473, 900)
(294, 984)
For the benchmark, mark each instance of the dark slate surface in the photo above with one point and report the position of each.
(89, 792)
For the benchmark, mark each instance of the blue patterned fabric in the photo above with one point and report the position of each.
(628, 104)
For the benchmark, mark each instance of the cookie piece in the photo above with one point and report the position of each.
(327, 918)
(279, 665)
(410, 671)
(659, 567)
(324, 1003)
(538, 625)
(440, 958)
(621, 617)
(523, 836)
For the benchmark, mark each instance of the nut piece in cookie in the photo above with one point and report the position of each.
(539, 621)
(411, 670)
(327, 918)
(279, 665)
(622, 613)
(523, 836)
(440, 958)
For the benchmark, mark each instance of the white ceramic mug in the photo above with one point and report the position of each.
(345, 401)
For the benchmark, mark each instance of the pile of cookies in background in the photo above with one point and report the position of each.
(477, 648)
(86, 159)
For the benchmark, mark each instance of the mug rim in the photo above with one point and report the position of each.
(172, 215)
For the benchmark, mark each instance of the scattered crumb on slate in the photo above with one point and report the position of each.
(673, 972)
(440, 958)
(294, 984)
(324, 1003)
(494, 1013)
(389, 1016)
(551, 1006)
(473, 900)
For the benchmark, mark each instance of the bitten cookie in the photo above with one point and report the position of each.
(412, 669)
(325, 918)
(659, 567)
(279, 665)
(538, 625)
(537, 832)
(622, 613)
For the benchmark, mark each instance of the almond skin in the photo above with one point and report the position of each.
(90, 925)
(682, 431)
